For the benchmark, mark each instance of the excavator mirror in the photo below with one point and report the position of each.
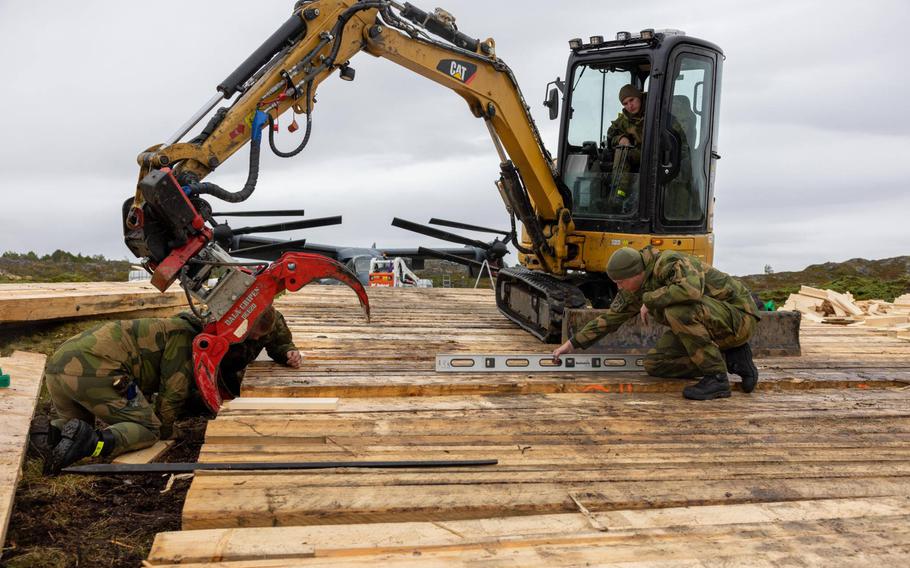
(552, 103)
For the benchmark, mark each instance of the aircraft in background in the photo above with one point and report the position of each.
(240, 243)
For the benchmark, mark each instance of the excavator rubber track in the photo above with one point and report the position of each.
(536, 301)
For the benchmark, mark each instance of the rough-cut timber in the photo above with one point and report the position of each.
(17, 404)
(813, 468)
(395, 354)
(25, 303)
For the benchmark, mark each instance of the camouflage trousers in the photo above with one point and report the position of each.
(133, 423)
(698, 334)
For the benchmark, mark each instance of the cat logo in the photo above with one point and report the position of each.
(461, 70)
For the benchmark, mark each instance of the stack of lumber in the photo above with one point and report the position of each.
(30, 303)
(594, 468)
(828, 306)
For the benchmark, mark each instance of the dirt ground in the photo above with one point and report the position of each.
(88, 521)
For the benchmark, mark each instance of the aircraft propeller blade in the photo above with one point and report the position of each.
(459, 225)
(438, 233)
(267, 247)
(272, 213)
(288, 226)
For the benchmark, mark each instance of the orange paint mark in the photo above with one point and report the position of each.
(862, 386)
(598, 388)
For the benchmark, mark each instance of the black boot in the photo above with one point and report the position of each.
(42, 436)
(710, 387)
(739, 362)
(78, 440)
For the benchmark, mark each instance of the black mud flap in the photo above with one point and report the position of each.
(777, 334)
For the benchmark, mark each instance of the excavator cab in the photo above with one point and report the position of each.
(660, 187)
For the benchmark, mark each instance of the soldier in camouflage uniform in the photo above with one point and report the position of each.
(113, 371)
(628, 128)
(626, 135)
(711, 317)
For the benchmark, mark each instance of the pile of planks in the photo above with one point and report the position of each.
(605, 469)
(818, 477)
(828, 306)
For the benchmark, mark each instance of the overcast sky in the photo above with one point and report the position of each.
(814, 134)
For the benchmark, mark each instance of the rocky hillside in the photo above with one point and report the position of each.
(61, 266)
(882, 279)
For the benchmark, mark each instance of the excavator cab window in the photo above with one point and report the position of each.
(603, 176)
(685, 148)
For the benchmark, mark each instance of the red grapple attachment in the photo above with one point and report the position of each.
(297, 269)
(291, 272)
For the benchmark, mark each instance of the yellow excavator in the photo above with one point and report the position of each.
(574, 211)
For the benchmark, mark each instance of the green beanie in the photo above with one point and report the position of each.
(625, 263)
(629, 91)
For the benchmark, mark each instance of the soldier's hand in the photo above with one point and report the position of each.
(624, 141)
(562, 350)
(644, 314)
(294, 359)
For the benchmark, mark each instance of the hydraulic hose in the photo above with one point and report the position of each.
(338, 30)
(515, 240)
(207, 188)
(306, 135)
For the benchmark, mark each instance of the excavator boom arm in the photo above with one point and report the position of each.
(323, 36)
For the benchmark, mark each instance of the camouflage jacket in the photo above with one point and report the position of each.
(671, 278)
(632, 127)
(157, 354)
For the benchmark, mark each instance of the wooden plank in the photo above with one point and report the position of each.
(853, 542)
(279, 403)
(17, 405)
(243, 544)
(145, 455)
(885, 321)
(232, 501)
(40, 302)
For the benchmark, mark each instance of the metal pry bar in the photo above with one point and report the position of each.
(135, 468)
(537, 363)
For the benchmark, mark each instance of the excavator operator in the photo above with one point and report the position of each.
(625, 135)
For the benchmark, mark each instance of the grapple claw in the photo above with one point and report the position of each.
(298, 269)
(291, 272)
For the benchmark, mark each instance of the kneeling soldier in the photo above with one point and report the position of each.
(112, 371)
(711, 317)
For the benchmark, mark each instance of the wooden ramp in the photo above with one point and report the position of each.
(17, 405)
(599, 469)
(25, 303)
